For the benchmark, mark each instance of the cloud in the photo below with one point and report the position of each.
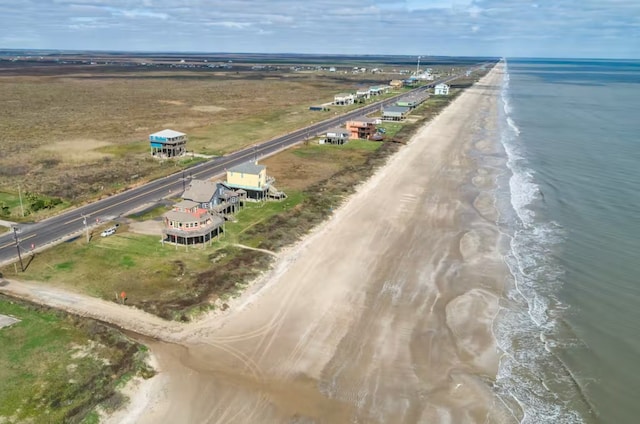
(231, 24)
(455, 27)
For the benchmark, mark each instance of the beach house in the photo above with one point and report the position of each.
(337, 136)
(168, 143)
(362, 128)
(343, 99)
(214, 196)
(188, 223)
(441, 89)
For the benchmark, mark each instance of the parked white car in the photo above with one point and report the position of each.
(108, 232)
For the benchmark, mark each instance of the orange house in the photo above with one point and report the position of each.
(362, 128)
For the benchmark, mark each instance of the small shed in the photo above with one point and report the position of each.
(168, 143)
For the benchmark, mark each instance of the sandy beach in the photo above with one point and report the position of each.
(382, 315)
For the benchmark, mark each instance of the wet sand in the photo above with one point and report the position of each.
(383, 315)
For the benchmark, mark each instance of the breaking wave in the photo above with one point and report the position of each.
(532, 382)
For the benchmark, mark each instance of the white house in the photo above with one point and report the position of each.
(441, 90)
(343, 99)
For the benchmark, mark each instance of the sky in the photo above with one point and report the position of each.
(511, 28)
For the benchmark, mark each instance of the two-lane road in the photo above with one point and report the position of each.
(71, 222)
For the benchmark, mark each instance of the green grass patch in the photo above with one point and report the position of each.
(35, 206)
(255, 214)
(56, 367)
(391, 128)
(64, 266)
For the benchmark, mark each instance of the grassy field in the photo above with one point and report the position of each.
(80, 135)
(55, 368)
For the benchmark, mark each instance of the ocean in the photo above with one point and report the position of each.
(569, 202)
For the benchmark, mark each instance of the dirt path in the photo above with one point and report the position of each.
(382, 315)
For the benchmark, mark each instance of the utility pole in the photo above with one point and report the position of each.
(86, 228)
(15, 237)
(20, 196)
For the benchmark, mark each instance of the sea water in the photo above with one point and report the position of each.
(569, 202)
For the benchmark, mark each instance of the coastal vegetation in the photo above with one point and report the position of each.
(56, 367)
(82, 133)
(179, 282)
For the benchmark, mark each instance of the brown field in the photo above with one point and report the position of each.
(79, 134)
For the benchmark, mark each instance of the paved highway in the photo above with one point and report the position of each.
(42, 234)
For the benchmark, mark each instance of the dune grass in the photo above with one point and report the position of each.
(56, 368)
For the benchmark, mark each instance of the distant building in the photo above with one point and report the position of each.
(362, 95)
(343, 99)
(337, 136)
(396, 84)
(441, 90)
(395, 113)
(168, 143)
(378, 90)
(188, 223)
(413, 100)
(362, 128)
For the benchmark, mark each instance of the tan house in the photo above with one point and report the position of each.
(251, 178)
(396, 84)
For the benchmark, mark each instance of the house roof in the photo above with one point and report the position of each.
(343, 95)
(167, 134)
(180, 216)
(362, 120)
(442, 85)
(229, 194)
(338, 131)
(186, 204)
(187, 217)
(200, 191)
(396, 109)
(248, 168)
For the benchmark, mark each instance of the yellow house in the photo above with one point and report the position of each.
(248, 176)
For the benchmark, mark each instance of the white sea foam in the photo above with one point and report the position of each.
(526, 326)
